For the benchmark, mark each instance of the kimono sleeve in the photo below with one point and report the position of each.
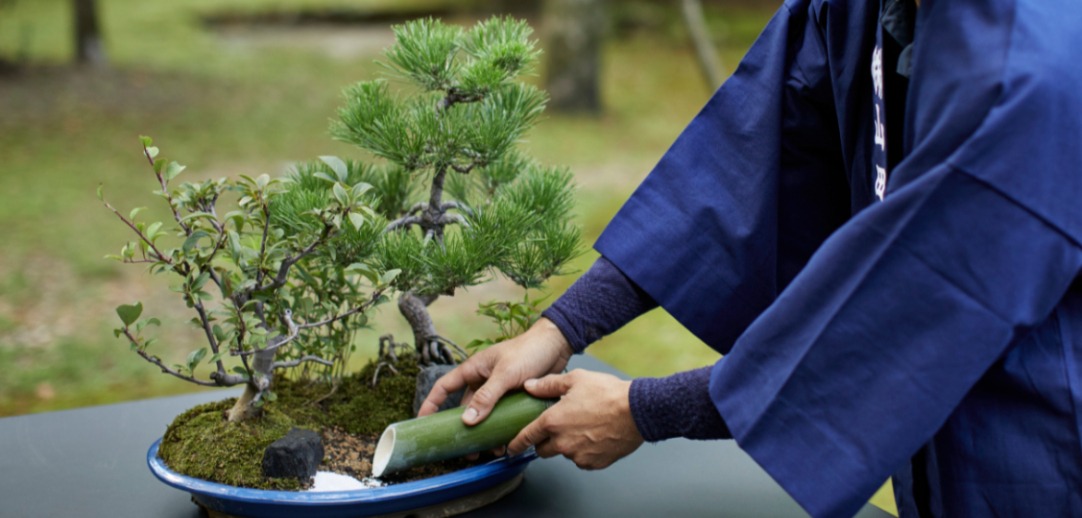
(748, 191)
(903, 310)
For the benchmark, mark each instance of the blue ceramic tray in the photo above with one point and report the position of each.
(333, 504)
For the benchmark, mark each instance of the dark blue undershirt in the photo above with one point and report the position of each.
(604, 300)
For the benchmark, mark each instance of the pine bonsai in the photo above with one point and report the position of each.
(461, 201)
(284, 275)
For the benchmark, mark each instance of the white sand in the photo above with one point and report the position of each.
(329, 481)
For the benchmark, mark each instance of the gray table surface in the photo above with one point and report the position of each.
(91, 462)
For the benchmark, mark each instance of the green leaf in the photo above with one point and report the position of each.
(134, 212)
(200, 281)
(172, 170)
(357, 220)
(338, 166)
(270, 396)
(197, 215)
(218, 333)
(152, 230)
(389, 276)
(129, 313)
(365, 271)
(101, 195)
(195, 357)
(324, 176)
(193, 240)
(146, 141)
(152, 152)
(340, 194)
(360, 189)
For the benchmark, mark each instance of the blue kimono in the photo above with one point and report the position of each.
(930, 328)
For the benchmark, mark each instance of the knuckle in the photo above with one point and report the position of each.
(484, 396)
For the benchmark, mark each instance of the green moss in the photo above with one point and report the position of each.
(201, 443)
(367, 410)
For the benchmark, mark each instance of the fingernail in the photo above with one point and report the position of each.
(530, 384)
(470, 415)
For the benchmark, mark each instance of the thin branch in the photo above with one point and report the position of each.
(143, 237)
(455, 96)
(139, 348)
(465, 169)
(298, 361)
(287, 263)
(263, 244)
(279, 340)
(165, 192)
(227, 380)
(363, 307)
(198, 304)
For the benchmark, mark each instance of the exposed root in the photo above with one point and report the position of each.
(387, 356)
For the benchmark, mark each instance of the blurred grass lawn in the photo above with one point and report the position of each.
(250, 101)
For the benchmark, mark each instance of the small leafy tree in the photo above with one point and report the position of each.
(462, 202)
(274, 282)
(280, 272)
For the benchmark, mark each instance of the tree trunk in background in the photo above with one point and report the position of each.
(704, 47)
(573, 31)
(88, 43)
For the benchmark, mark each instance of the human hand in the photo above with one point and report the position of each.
(591, 424)
(491, 373)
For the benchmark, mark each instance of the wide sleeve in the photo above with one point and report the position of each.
(748, 191)
(900, 313)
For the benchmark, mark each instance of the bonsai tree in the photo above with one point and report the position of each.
(461, 201)
(267, 280)
(280, 272)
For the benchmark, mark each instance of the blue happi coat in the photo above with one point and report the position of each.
(936, 334)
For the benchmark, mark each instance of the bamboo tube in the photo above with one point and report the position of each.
(443, 435)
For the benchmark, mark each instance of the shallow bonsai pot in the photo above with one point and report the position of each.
(442, 495)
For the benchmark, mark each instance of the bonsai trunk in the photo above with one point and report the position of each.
(262, 367)
(414, 308)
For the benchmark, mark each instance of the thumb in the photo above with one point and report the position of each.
(486, 397)
(551, 386)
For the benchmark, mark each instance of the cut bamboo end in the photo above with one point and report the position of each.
(384, 449)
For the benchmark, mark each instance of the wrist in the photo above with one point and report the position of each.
(549, 333)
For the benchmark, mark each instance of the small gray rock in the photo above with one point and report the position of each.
(297, 455)
(426, 379)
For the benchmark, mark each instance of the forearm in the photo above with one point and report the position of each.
(676, 406)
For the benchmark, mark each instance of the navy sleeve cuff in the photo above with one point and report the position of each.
(598, 303)
(676, 406)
